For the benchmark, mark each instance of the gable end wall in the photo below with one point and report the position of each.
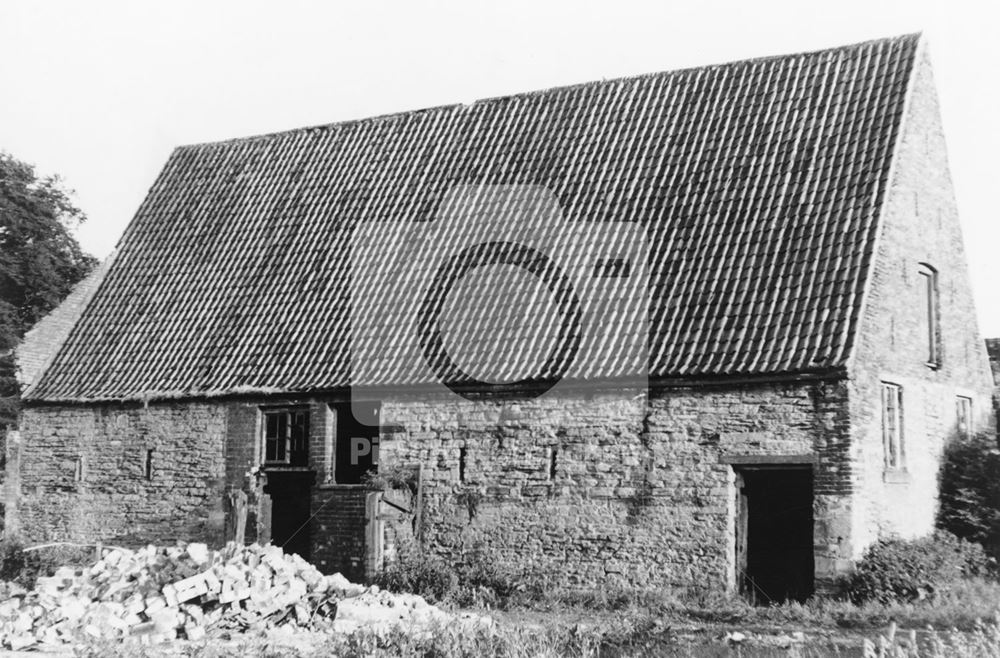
(920, 224)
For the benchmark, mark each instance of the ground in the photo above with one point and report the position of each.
(817, 629)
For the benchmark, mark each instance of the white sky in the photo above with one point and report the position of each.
(100, 92)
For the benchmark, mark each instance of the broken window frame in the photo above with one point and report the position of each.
(286, 443)
(892, 426)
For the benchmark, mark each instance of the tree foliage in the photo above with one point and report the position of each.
(40, 260)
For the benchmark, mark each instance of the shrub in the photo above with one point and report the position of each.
(486, 579)
(24, 567)
(478, 577)
(970, 492)
(909, 570)
(392, 476)
(19, 566)
(420, 572)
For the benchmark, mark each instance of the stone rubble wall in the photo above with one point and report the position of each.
(583, 486)
(643, 500)
(83, 473)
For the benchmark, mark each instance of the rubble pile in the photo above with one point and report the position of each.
(159, 594)
(380, 610)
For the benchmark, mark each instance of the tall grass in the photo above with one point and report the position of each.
(983, 641)
(960, 606)
(630, 639)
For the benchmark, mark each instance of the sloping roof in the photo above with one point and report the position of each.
(759, 184)
(41, 343)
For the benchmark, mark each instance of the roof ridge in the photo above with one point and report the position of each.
(388, 116)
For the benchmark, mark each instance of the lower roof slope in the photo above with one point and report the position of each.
(759, 184)
(41, 343)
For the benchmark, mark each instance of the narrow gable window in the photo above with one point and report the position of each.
(892, 425)
(929, 282)
(963, 417)
(286, 437)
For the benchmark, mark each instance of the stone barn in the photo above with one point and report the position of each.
(809, 335)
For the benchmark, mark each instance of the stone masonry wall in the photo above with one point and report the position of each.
(83, 473)
(581, 488)
(921, 225)
(584, 486)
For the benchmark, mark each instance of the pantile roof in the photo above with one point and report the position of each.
(758, 185)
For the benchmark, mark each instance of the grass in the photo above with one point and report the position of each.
(633, 624)
(629, 638)
(981, 642)
(630, 624)
(961, 606)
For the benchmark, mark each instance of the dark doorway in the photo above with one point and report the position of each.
(774, 536)
(290, 493)
(357, 441)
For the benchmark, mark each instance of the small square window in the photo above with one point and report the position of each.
(892, 425)
(286, 437)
